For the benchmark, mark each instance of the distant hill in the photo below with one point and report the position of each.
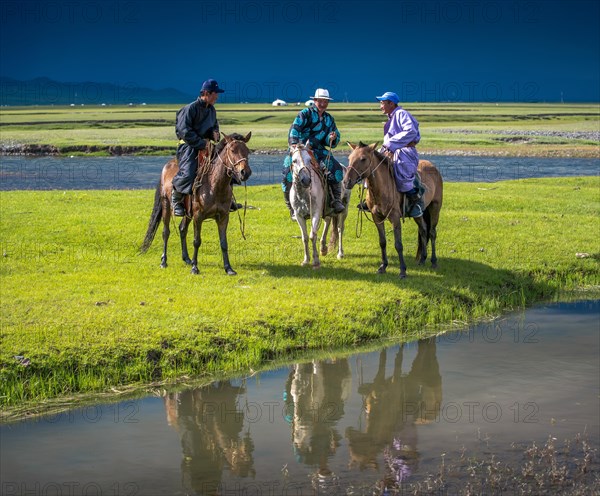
(44, 91)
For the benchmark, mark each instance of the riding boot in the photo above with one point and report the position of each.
(415, 206)
(235, 206)
(286, 198)
(336, 200)
(177, 202)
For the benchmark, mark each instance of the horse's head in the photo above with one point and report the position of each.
(360, 163)
(301, 159)
(234, 153)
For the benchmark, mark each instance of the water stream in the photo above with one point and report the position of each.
(129, 172)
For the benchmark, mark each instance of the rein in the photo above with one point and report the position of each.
(204, 169)
(359, 220)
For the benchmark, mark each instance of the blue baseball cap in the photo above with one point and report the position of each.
(212, 86)
(388, 95)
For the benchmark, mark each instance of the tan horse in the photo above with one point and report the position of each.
(211, 198)
(385, 202)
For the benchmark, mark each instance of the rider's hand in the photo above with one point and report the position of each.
(332, 137)
(216, 135)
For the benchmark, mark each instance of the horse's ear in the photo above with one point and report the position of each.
(373, 146)
(351, 145)
(307, 145)
(226, 137)
(247, 138)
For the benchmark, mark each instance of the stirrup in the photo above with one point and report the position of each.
(363, 206)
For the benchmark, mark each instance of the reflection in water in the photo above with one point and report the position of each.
(315, 397)
(393, 407)
(210, 422)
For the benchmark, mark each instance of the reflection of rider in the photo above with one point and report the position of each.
(209, 423)
(393, 406)
(315, 395)
(195, 125)
(318, 127)
(400, 138)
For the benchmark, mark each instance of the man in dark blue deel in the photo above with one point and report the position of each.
(196, 123)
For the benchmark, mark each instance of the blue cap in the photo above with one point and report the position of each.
(212, 86)
(388, 95)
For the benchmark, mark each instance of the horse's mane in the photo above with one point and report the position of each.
(379, 156)
(221, 144)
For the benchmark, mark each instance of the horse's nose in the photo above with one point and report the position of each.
(246, 173)
(305, 181)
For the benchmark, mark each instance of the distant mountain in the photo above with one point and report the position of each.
(44, 91)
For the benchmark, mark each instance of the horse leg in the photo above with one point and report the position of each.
(314, 234)
(422, 238)
(326, 225)
(433, 221)
(341, 222)
(399, 247)
(197, 243)
(302, 223)
(166, 232)
(222, 226)
(183, 230)
(383, 246)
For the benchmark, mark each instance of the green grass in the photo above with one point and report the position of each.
(90, 313)
(153, 126)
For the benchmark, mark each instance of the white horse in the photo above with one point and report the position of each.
(307, 196)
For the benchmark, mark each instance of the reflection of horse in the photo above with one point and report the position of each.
(211, 198)
(316, 393)
(394, 406)
(210, 423)
(307, 196)
(384, 201)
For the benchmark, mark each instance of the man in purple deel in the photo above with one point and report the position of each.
(400, 137)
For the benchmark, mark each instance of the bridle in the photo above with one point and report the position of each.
(366, 173)
(295, 173)
(231, 164)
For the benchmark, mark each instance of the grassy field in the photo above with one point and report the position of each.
(83, 312)
(491, 129)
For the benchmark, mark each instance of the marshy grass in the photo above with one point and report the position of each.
(144, 127)
(568, 467)
(83, 312)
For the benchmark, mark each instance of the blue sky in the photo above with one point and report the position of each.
(259, 50)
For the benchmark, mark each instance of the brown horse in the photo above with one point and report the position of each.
(385, 202)
(211, 198)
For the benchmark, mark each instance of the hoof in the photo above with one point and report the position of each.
(434, 265)
(231, 272)
(402, 274)
(305, 263)
(195, 271)
(163, 265)
(323, 252)
(316, 266)
(340, 256)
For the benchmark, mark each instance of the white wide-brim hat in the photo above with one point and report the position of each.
(321, 93)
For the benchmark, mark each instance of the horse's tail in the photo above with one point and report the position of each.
(333, 235)
(155, 218)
